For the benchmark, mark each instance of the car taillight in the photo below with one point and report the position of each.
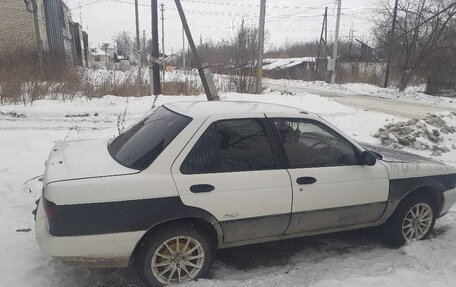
(51, 209)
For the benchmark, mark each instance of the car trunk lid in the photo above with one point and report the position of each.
(80, 159)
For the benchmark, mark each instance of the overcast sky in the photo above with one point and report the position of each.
(286, 20)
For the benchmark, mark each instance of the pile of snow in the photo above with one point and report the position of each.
(285, 63)
(429, 133)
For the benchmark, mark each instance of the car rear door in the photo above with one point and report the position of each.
(229, 169)
(331, 188)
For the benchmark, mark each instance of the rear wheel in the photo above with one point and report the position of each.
(174, 255)
(413, 220)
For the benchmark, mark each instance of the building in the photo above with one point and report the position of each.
(78, 44)
(103, 56)
(303, 68)
(85, 38)
(61, 39)
(58, 24)
(17, 26)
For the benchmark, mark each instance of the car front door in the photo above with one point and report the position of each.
(229, 169)
(331, 187)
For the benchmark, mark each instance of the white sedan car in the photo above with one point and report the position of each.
(192, 177)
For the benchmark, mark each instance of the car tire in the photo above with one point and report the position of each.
(413, 219)
(175, 254)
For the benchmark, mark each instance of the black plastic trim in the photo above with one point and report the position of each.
(401, 187)
(122, 216)
(198, 188)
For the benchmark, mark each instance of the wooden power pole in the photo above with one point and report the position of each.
(162, 9)
(32, 7)
(259, 84)
(203, 69)
(184, 52)
(390, 42)
(324, 31)
(336, 43)
(138, 48)
(39, 44)
(155, 69)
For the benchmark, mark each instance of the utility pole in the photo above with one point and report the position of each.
(324, 31)
(32, 7)
(39, 44)
(184, 51)
(143, 48)
(259, 78)
(162, 9)
(105, 48)
(138, 48)
(390, 40)
(155, 70)
(203, 69)
(336, 43)
(350, 37)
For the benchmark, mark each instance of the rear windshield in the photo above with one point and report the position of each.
(140, 145)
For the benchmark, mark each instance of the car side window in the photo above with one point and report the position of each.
(309, 143)
(231, 146)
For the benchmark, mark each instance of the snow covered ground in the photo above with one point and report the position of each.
(356, 258)
(411, 94)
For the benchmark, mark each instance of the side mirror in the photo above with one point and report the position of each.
(368, 158)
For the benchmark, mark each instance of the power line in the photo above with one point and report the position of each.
(357, 17)
(87, 4)
(256, 5)
(225, 13)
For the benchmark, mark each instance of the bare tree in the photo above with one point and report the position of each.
(236, 57)
(421, 29)
(244, 55)
(124, 44)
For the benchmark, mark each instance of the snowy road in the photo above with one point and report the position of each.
(355, 258)
(407, 109)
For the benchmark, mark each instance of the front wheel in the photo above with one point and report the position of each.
(413, 220)
(174, 255)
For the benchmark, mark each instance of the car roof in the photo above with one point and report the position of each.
(206, 108)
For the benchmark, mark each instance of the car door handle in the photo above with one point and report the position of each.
(197, 188)
(306, 180)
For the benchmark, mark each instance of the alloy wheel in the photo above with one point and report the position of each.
(417, 221)
(178, 260)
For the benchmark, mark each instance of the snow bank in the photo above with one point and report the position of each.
(433, 132)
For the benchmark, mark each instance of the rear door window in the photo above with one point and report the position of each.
(140, 145)
(231, 146)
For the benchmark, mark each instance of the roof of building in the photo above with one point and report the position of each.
(97, 52)
(205, 108)
(285, 63)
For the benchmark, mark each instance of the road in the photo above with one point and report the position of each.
(366, 102)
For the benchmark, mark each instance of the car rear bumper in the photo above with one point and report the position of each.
(106, 250)
(449, 199)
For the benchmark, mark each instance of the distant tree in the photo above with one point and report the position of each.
(125, 44)
(244, 56)
(294, 50)
(422, 27)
